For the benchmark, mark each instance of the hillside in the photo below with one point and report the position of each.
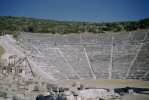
(9, 24)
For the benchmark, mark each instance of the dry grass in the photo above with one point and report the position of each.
(2, 51)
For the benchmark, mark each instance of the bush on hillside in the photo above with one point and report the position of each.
(15, 35)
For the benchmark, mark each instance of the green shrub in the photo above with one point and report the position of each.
(31, 28)
(15, 35)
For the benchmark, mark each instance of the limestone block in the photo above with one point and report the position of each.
(93, 93)
(87, 87)
(16, 79)
(74, 91)
(9, 98)
(56, 93)
(130, 91)
(20, 82)
(55, 88)
(9, 94)
(49, 85)
(47, 93)
(36, 88)
(78, 98)
(66, 88)
(111, 90)
(61, 89)
(30, 82)
(18, 96)
(111, 95)
(76, 84)
(8, 89)
(30, 87)
(26, 87)
(10, 79)
(2, 94)
(71, 97)
(122, 93)
(21, 87)
(50, 89)
(1, 98)
(43, 86)
(82, 87)
(66, 93)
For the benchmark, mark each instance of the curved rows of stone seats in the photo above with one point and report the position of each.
(140, 68)
(123, 54)
(101, 56)
(78, 59)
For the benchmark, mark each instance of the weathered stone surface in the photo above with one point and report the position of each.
(112, 95)
(76, 84)
(130, 91)
(82, 87)
(66, 88)
(43, 86)
(122, 93)
(61, 89)
(66, 93)
(31, 87)
(74, 91)
(9, 98)
(61, 98)
(93, 93)
(47, 93)
(71, 56)
(50, 89)
(36, 88)
(49, 85)
(55, 88)
(1, 98)
(78, 97)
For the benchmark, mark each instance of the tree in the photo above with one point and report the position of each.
(144, 23)
(131, 26)
(31, 28)
(92, 30)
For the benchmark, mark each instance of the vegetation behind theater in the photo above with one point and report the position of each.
(11, 25)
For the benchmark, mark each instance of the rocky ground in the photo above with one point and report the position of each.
(18, 88)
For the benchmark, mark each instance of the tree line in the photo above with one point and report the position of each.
(11, 24)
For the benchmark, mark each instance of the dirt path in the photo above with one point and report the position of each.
(105, 83)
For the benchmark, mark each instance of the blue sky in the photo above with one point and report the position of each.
(77, 10)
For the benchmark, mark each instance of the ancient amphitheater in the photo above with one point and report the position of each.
(102, 66)
(83, 56)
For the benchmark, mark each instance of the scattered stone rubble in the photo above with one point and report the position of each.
(18, 88)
